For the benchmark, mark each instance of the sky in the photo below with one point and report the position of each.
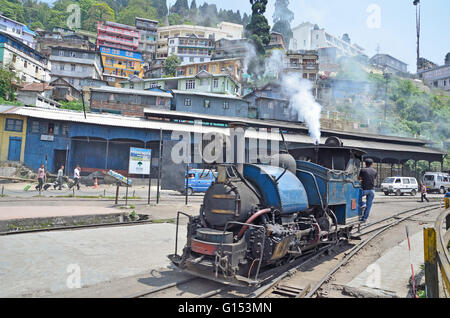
(392, 24)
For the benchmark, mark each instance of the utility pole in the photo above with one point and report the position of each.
(416, 3)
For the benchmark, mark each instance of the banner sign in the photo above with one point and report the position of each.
(140, 161)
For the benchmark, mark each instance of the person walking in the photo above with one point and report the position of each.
(76, 177)
(41, 178)
(59, 178)
(423, 191)
(367, 177)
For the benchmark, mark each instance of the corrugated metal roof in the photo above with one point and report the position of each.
(135, 122)
(175, 91)
(117, 90)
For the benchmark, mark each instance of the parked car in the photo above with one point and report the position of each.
(399, 186)
(199, 180)
(437, 182)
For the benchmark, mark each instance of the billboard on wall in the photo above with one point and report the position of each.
(140, 161)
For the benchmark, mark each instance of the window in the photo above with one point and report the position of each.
(406, 181)
(25, 64)
(35, 127)
(226, 105)
(216, 83)
(65, 130)
(190, 84)
(72, 54)
(14, 125)
(84, 68)
(61, 67)
(187, 102)
(398, 181)
(61, 53)
(190, 70)
(206, 104)
(413, 181)
(72, 67)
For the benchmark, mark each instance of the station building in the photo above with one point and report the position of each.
(13, 130)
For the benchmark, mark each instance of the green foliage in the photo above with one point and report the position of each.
(170, 65)
(137, 8)
(258, 30)
(6, 90)
(282, 19)
(76, 105)
(99, 11)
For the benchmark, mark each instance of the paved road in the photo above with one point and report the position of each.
(40, 264)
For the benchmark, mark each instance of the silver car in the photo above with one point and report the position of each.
(437, 182)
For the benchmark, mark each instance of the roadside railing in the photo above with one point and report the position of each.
(436, 254)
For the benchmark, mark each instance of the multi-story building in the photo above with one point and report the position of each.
(231, 67)
(18, 30)
(308, 36)
(191, 49)
(48, 39)
(226, 49)
(209, 104)
(127, 102)
(148, 31)
(13, 133)
(224, 30)
(119, 65)
(305, 64)
(438, 77)
(203, 82)
(276, 41)
(389, 63)
(118, 36)
(270, 102)
(27, 63)
(76, 66)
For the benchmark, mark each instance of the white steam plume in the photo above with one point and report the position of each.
(303, 102)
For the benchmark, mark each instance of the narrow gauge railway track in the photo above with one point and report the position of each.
(77, 227)
(275, 278)
(279, 288)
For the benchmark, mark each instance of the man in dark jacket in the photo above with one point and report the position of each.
(367, 178)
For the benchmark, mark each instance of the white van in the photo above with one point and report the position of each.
(437, 181)
(399, 186)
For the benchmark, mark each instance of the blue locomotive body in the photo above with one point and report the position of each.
(256, 216)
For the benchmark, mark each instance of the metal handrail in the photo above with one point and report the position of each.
(442, 241)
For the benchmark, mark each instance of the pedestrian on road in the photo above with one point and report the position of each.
(423, 191)
(59, 178)
(41, 178)
(76, 177)
(367, 177)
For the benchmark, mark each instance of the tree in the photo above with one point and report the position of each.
(137, 8)
(180, 7)
(6, 78)
(258, 30)
(282, 19)
(447, 58)
(171, 64)
(99, 11)
(258, 33)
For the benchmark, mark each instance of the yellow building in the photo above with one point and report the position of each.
(13, 131)
(231, 67)
(119, 65)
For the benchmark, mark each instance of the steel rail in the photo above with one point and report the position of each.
(77, 227)
(161, 288)
(442, 243)
(359, 247)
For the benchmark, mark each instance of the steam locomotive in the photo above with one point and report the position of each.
(259, 216)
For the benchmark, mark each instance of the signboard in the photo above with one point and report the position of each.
(140, 160)
(47, 137)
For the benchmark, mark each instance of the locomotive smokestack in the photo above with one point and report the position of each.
(317, 152)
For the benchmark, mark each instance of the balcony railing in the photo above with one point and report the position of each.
(300, 66)
(108, 29)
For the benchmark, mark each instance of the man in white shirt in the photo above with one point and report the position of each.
(76, 177)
